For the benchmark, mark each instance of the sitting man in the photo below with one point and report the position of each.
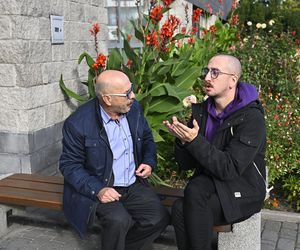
(225, 144)
(108, 154)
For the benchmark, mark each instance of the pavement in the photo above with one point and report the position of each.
(47, 230)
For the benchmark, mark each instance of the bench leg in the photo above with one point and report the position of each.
(3, 219)
(244, 236)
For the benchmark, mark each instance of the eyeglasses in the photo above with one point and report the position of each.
(127, 94)
(214, 73)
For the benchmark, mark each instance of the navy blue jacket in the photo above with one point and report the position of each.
(86, 160)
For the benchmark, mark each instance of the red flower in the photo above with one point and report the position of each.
(100, 62)
(183, 30)
(196, 15)
(129, 37)
(193, 31)
(156, 14)
(294, 33)
(167, 3)
(151, 39)
(213, 28)
(129, 63)
(191, 40)
(95, 29)
(298, 41)
(235, 19)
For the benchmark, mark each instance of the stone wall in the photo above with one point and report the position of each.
(32, 106)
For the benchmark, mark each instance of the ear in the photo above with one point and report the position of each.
(233, 82)
(106, 99)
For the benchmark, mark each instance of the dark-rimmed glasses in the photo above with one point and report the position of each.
(214, 73)
(127, 94)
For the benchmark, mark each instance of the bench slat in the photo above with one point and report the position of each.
(32, 198)
(37, 178)
(25, 184)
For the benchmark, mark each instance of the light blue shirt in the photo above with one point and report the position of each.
(120, 141)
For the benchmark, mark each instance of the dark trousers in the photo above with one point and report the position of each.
(134, 221)
(195, 215)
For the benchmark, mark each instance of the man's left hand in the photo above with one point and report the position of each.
(143, 171)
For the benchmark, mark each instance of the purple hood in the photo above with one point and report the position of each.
(245, 94)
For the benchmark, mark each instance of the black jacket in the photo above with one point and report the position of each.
(237, 146)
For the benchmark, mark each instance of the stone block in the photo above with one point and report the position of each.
(14, 143)
(8, 74)
(10, 163)
(11, 7)
(44, 29)
(91, 14)
(244, 236)
(5, 27)
(39, 51)
(54, 113)
(31, 120)
(8, 121)
(29, 74)
(57, 7)
(14, 51)
(76, 12)
(24, 27)
(35, 8)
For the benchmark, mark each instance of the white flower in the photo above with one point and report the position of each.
(263, 26)
(258, 25)
(271, 22)
(189, 100)
(245, 40)
(249, 23)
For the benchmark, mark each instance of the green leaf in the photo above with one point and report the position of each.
(69, 92)
(188, 78)
(158, 89)
(138, 34)
(115, 59)
(164, 70)
(162, 104)
(89, 60)
(179, 68)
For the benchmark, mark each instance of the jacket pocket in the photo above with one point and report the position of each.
(95, 153)
(251, 142)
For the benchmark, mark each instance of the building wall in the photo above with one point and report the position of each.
(32, 106)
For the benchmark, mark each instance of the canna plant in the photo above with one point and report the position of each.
(166, 67)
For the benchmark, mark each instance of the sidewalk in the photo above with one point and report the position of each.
(47, 230)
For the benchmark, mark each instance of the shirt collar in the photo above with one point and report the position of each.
(105, 117)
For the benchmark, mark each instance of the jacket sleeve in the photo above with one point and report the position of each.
(148, 144)
(72, 162)
(246, 144)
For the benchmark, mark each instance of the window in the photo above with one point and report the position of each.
(120, 12)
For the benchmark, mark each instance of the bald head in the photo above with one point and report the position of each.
(110, 80)
(231, 64)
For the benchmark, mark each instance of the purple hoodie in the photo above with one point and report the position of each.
(245, 94)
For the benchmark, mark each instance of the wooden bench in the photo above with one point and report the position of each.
(31, 190)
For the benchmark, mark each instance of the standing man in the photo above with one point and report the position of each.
(108, 154)
(225, 144)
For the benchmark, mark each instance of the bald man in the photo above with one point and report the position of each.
(108, 154)
(225, 144)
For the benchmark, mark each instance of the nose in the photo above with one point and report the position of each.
(132, 95)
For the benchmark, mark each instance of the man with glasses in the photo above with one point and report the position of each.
(225, 144)
(108, 154)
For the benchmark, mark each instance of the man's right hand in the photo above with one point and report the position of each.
(108, 194)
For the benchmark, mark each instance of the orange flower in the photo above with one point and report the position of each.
(167, 3)
(95, 29)
(129, 63)
(100, 62)
(196, 15)
(129, 37)
(191, 40)
(213, 28)
(156, 14)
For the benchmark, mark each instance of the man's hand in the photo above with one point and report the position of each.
(181, 131)
(108, 194)
(143, 171)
